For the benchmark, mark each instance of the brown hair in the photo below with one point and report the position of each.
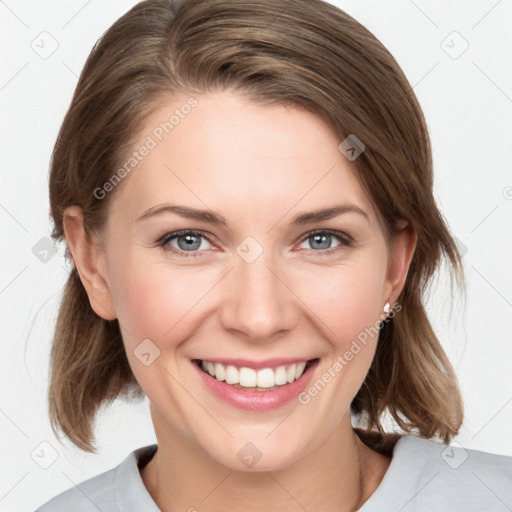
(306, 53)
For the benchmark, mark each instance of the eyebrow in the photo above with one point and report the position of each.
(213, 218)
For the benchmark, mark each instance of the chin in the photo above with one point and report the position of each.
(254, 451)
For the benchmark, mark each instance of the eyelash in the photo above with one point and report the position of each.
(343, 238)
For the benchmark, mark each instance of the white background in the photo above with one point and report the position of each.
(468, 105)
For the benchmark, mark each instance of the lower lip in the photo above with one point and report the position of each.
(257, 400)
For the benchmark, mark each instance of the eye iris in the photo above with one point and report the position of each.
(191, 242)
(323, 239)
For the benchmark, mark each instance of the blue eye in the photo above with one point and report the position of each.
(188, 243)
(321, 241)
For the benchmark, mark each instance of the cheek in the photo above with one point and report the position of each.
(346, 299)
(157, 301)
(347, 304)
(164, 302)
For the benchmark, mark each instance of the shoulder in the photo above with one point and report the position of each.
(102, 492)
(91, 495)
(427, 475)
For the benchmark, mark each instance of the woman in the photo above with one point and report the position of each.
(245, 189)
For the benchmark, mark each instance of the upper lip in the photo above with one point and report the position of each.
(257, 365)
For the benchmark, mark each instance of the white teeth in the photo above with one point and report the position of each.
(299, 370)
(249, 378)
(266, 378)
(232, 376)
(280, 376)
(290, 373)
(220, 372)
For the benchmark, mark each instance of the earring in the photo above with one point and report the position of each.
(386, 307)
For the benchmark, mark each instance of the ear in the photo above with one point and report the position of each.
(402, 247)
(89, 259)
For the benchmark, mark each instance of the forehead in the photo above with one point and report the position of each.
(241, 158)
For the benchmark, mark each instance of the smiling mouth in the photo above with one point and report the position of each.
(249, 379)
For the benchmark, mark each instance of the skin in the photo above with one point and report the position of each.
(258, 166)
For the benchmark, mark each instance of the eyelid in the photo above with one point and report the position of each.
(344, 238)
(163, 241)
(174, 234)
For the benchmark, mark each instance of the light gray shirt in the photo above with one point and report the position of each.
(423, 476)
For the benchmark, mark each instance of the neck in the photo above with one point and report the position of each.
(340, 474)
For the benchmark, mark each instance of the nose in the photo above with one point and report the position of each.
(258, 305)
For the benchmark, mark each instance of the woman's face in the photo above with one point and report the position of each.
(249, 284)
